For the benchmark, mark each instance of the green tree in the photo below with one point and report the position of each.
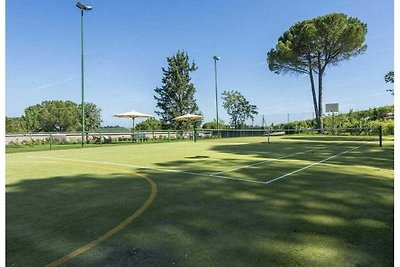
(176, 96)
(60, 116)
(238, 108)
(389, 78)
(149, 124)
(16, 125)
(213, 124)
(53, 116)
(309, 47)
(32, 115)
(92, 117)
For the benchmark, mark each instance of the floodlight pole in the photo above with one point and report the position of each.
(82, 7)
(216, 91)
(83, 84)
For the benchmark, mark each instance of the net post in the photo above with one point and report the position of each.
(100, 138)
(380, 136)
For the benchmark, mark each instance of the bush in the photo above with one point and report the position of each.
(387, 126)
(27, 143)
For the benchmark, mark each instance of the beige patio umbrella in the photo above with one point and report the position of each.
(190, 118)
(133, 115)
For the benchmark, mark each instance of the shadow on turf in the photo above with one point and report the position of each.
(381, 157)
(319, 220)
(211, 222)
(48, 218)
(197, 157)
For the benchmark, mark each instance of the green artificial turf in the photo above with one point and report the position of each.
(335, 213)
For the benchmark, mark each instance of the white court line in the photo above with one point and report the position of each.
(265, 161)
(157, 169)
(311, 165)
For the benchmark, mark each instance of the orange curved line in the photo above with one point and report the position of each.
(116, 229)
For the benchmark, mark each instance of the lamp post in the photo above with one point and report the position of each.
(216, 90)
(82, 7)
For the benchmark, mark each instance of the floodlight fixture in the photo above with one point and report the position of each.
(217, 58)
(83, 7)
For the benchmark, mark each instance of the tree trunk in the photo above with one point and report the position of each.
(320, 124)
(314, 95)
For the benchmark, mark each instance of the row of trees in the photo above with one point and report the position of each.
(55, 116)
(370, 118)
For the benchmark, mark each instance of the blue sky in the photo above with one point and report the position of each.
(127, 42)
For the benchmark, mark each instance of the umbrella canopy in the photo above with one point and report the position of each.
(132, 115)
(189, 117)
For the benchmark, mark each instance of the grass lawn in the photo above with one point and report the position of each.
(297, 201)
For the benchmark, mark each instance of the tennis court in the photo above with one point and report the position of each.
(299, 200)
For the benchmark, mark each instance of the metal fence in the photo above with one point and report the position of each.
(168, 135)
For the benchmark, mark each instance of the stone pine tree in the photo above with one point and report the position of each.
(309, 47)
(176, 95)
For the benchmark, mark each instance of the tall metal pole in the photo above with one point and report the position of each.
(83, 86)
(82, 7)
(216, 93)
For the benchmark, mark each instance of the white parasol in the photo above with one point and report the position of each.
(133, 115)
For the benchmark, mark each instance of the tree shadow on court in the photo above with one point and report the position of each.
(318, 219)
(367, 154)
(330, 138)
(47, 218)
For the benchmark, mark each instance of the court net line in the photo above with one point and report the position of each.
(312, 164)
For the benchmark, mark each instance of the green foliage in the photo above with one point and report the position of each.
(389, 78)
(56, 116)
(318, 42)
(16, 125)
(310, 46)
(213, 125)
(149, 124)
(92, 117)
(238, 108)
(371, 118)
(176, 96)
(114, 129)
(53, 116)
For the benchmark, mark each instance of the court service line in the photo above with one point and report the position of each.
(265, 161)
(313, 164)
(158, 169)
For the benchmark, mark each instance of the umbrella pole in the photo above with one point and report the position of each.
(194, 131)
(133, 129)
